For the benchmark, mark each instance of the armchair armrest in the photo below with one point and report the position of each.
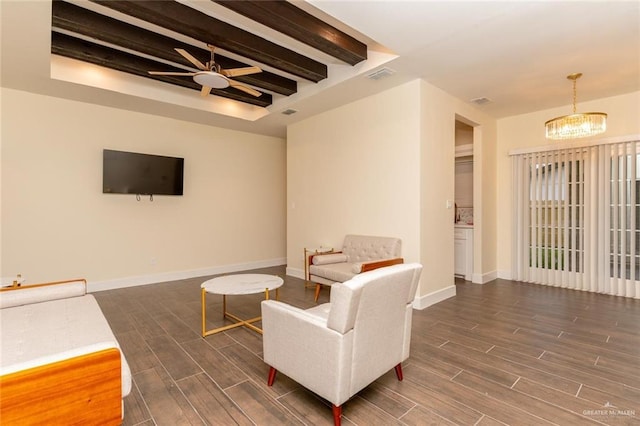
(375, 264)
(300, 345)
(26, 294)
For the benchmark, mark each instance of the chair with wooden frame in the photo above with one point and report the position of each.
(359, 253)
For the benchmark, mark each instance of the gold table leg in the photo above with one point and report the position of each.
(203, 299)
(239, 321)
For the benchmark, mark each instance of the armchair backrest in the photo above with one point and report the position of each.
(376, 307)
(363, 248)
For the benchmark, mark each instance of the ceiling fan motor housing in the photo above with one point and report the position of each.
(211, 79)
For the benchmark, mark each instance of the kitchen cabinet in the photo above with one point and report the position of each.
(463, 251)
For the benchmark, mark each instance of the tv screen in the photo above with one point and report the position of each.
(144, 174)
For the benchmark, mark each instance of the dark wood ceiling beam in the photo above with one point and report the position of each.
(78, 20)
(264, 80)
(288, 19)
(65, 45)
(185, 20)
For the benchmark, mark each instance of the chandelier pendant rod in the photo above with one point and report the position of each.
(574, 78)
(576, 125)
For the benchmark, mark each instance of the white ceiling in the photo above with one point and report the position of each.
(516, 53)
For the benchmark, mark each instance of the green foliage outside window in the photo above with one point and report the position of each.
(547, 258)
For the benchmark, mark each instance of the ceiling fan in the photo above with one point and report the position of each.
(211, 75)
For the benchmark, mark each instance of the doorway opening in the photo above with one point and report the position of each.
(464, 200)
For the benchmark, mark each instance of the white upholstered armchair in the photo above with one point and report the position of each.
(338, 348)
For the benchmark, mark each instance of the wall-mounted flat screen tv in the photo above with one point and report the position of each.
(144, 174)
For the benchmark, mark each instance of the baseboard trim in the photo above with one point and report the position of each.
(484, 278)
(94, 286)
(427, 300)
(504, 274)
(295, 272)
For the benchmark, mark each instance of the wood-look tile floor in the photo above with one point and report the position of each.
(499, 353)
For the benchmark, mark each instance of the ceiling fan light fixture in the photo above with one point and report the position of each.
(576, 125)
(211, 79)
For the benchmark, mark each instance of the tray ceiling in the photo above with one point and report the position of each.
(140, 36)
(516, 54)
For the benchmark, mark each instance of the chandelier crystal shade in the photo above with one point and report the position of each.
(576, 125)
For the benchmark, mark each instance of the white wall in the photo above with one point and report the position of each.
(56, 223)
(527, 131)
(355, 170)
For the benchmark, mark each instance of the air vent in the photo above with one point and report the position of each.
(480, 101)
(289, 111)
(381, 73)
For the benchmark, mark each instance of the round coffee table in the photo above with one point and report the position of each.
(238, 284)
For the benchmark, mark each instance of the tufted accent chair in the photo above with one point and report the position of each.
(360, 253)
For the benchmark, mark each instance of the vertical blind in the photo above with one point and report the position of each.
(576, 218)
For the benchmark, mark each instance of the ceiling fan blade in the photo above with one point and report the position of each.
(189, 57)
(244, 88)
(235, 72)
(188, 74)
(205, 91)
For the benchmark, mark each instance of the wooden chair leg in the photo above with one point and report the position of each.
(337, 414)
(318, 287)
(399, 372)
(272, 376)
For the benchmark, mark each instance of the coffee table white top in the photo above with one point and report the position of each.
(242, 284)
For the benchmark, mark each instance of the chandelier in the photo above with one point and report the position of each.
(576, 125)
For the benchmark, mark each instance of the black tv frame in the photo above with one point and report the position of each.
(126, 172)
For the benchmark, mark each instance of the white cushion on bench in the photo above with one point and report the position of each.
(39, 333)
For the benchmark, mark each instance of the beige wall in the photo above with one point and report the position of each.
(384, 165)
(464, 182)
(56, 223)
(464, 136)
(439, 111)
(527, 131)
(1, 149)
(355, 170)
